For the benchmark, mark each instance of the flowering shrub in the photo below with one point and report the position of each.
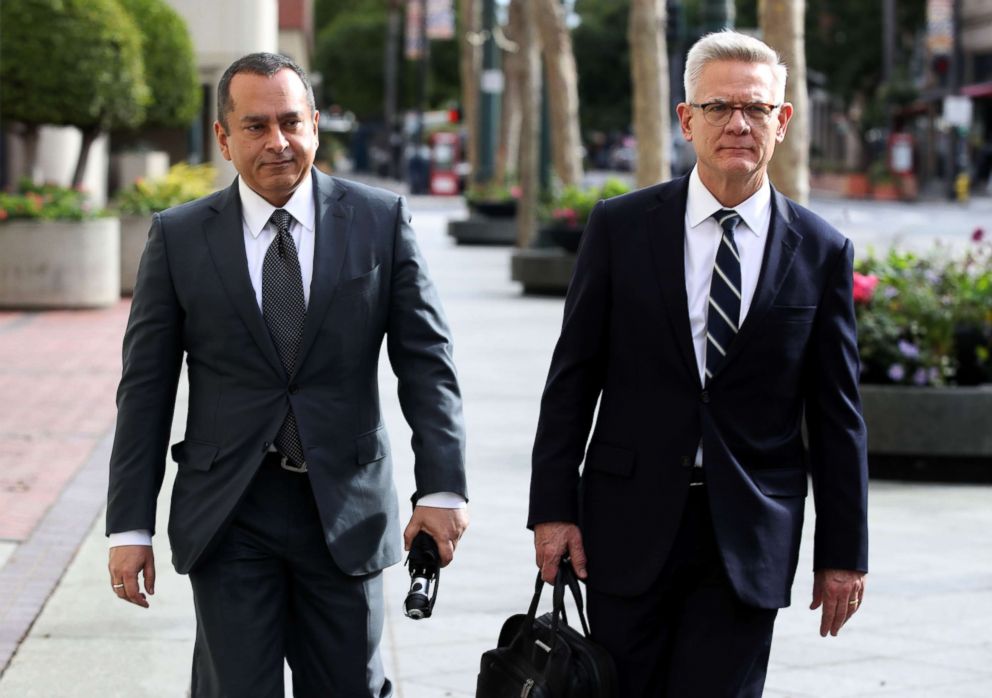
(493, 193)
(926, 320)
(45, 202)
(572, 206)
(183, 183)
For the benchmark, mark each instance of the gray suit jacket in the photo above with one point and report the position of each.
(194, 295)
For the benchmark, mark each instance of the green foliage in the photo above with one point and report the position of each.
(170, 65)
(45, 202)
(602, 58)
(492, 192)
(350, 54)
(71, 62)
(183, 183)
(926, 320)
(572, 205)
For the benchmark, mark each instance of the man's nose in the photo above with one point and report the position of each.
(738, 123)
(276, 141)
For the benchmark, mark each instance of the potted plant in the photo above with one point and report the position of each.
(564, 217)
(494, 200)
(58, 251)
(137, 203)
(925, 341)
(883, 183)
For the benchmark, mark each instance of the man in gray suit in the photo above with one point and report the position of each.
(279, 290)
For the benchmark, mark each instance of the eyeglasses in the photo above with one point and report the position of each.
(718, 113)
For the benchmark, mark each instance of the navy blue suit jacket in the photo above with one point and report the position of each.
(626, 342)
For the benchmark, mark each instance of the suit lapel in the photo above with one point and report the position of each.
(780, 251)
(665, 230)
(333, 229)
(225, 239)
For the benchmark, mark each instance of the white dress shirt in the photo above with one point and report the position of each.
(702, 240)
(259, 234)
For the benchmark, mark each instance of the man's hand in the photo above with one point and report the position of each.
(551, 541)
(840, 592)
(445, 526)
(125, 563)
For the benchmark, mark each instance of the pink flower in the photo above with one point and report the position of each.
(977, 235)
(565, 214)
(516, 191)
(864, 287)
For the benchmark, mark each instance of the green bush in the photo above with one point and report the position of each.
(45, 202)
(183, 183)
(170, 65)
(572, 206)
(71, 63)
(926, 320)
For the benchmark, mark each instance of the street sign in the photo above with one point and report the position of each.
(957, 111)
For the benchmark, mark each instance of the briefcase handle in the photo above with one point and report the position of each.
(565, 578)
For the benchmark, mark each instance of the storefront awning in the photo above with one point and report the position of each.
(979, 89)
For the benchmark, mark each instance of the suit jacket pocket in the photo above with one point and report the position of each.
(613, 460)
(359, 284)
(781, 482)
(793, 313)
(198, 455)
(372, 446)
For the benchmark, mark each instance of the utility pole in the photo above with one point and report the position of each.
(393, 139)
(489, 94)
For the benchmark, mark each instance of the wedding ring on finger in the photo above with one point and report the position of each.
(854, 602)
(118, 586)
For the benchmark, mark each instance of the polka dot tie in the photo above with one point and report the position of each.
(284, 310)
(724, 311)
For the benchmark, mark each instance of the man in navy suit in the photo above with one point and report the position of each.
(708, 316)
(279, 290)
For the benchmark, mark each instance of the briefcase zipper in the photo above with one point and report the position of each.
(525, 691)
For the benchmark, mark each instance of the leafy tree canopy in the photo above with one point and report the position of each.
(72, 63)
(170, 65)
(602, 58)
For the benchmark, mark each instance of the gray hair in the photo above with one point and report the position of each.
(728, 45)
(266, 64)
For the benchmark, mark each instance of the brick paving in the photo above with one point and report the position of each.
(58, 374)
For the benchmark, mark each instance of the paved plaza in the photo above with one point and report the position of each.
(925, 628)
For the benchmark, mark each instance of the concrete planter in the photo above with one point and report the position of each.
(60, 264)
(930, 433)
(543, 270)
(483, 230)
(134, 235)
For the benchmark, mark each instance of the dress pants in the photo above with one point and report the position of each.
(688, 636)
(270, 590)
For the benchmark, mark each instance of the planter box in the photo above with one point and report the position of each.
(542, 271)
(930, 433)
(134, 235)
(60, 264)
(483, 230)
(494, 209)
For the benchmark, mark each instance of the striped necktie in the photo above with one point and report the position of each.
(723, 314)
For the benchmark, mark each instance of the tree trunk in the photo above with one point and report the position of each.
(530, 122)
(563, 91)
(469, 60)
(649, 78)
(781, 22)
(89, 136)
(30, 137)
(508, 152)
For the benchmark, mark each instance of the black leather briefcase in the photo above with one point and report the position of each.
(544, 657)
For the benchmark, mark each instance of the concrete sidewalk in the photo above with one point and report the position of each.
(923, 630)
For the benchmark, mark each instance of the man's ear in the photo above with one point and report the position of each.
(784, 117)
(222, 137)
(684, 112)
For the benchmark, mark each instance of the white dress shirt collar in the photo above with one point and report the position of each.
(256, 211)
(755, 211)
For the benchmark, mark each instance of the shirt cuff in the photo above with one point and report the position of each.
(442, 500)
(142, 536)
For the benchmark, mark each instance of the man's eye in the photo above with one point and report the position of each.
(717, 108)
(757, 110)
(293, 124)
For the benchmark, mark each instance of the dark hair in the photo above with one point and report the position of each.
(267, 64)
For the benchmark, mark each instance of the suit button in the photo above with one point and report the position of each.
(686, 462)
(705, 396)
(294, 389)
(265, 446)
